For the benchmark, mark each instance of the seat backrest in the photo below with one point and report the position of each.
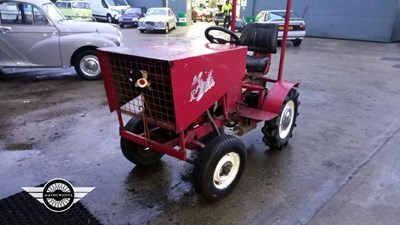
(260, 37)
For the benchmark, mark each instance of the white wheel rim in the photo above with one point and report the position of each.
(226, 170)
(90, 66)
(286, 120)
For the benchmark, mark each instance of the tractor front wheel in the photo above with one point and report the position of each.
(138, 154)
(219, 166)
(278, 131)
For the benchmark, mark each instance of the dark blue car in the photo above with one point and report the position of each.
(131, 17)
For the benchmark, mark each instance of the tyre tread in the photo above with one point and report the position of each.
(271, 128)
(210, 155)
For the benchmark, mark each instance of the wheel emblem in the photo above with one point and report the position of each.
(58, 195)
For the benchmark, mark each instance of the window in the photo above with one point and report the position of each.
(80, 5)
(104, 4)
(16, 13)
(21, 13)
(53, 12)
(156, 12)
(280, 15)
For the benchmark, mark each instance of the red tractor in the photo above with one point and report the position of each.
(179, 96)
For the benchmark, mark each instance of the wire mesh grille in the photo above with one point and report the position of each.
(154, 101)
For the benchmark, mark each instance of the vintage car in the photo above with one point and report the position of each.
(296, 29)
(75, 10)
(158, 19)
(33, 33)
(131, 17)
(203, 12)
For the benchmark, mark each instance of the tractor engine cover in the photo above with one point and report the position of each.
(170, 84)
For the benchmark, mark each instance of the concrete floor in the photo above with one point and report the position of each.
(339, 168)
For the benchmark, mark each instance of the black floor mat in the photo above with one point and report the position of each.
(23, 209)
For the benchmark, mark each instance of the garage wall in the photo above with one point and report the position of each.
(396, 26)
(144, 3)
(370, 20)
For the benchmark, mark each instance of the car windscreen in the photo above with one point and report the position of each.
(281, 15)
(53, 12)
(135, 11)
(80, 5)
(159, 12)
(117, 2)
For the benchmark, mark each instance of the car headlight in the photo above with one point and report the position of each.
(141, 23)
(159, 24)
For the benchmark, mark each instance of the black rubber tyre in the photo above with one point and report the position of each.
(121, 25)
(219, 166)
(278, 131)
(87, 65)
(134, 152)
(141, 31)
(216, 23)
(166, 28)
(109, 18)
(297, 42)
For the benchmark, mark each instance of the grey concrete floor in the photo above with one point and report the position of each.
(339, 168)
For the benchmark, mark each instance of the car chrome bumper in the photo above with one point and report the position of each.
(150, 28)
(292, 35)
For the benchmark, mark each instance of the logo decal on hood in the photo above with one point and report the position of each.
(201, 85)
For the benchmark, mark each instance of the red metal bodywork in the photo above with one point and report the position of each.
(189, 67)
(180, 81)
(185, 81)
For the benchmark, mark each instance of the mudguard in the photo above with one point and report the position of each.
(276, 96)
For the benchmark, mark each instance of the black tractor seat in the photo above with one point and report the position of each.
(259, 38)
(256, 64)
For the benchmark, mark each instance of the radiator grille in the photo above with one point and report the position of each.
(156, 100)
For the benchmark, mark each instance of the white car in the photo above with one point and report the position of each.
(158, 19)
(296, 29)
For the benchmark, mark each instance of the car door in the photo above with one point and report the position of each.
(27, 38)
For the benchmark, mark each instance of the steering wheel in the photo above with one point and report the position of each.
(217, 40)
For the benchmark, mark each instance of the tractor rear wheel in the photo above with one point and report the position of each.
(278, 131)
(138, 154)
(219, 166)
